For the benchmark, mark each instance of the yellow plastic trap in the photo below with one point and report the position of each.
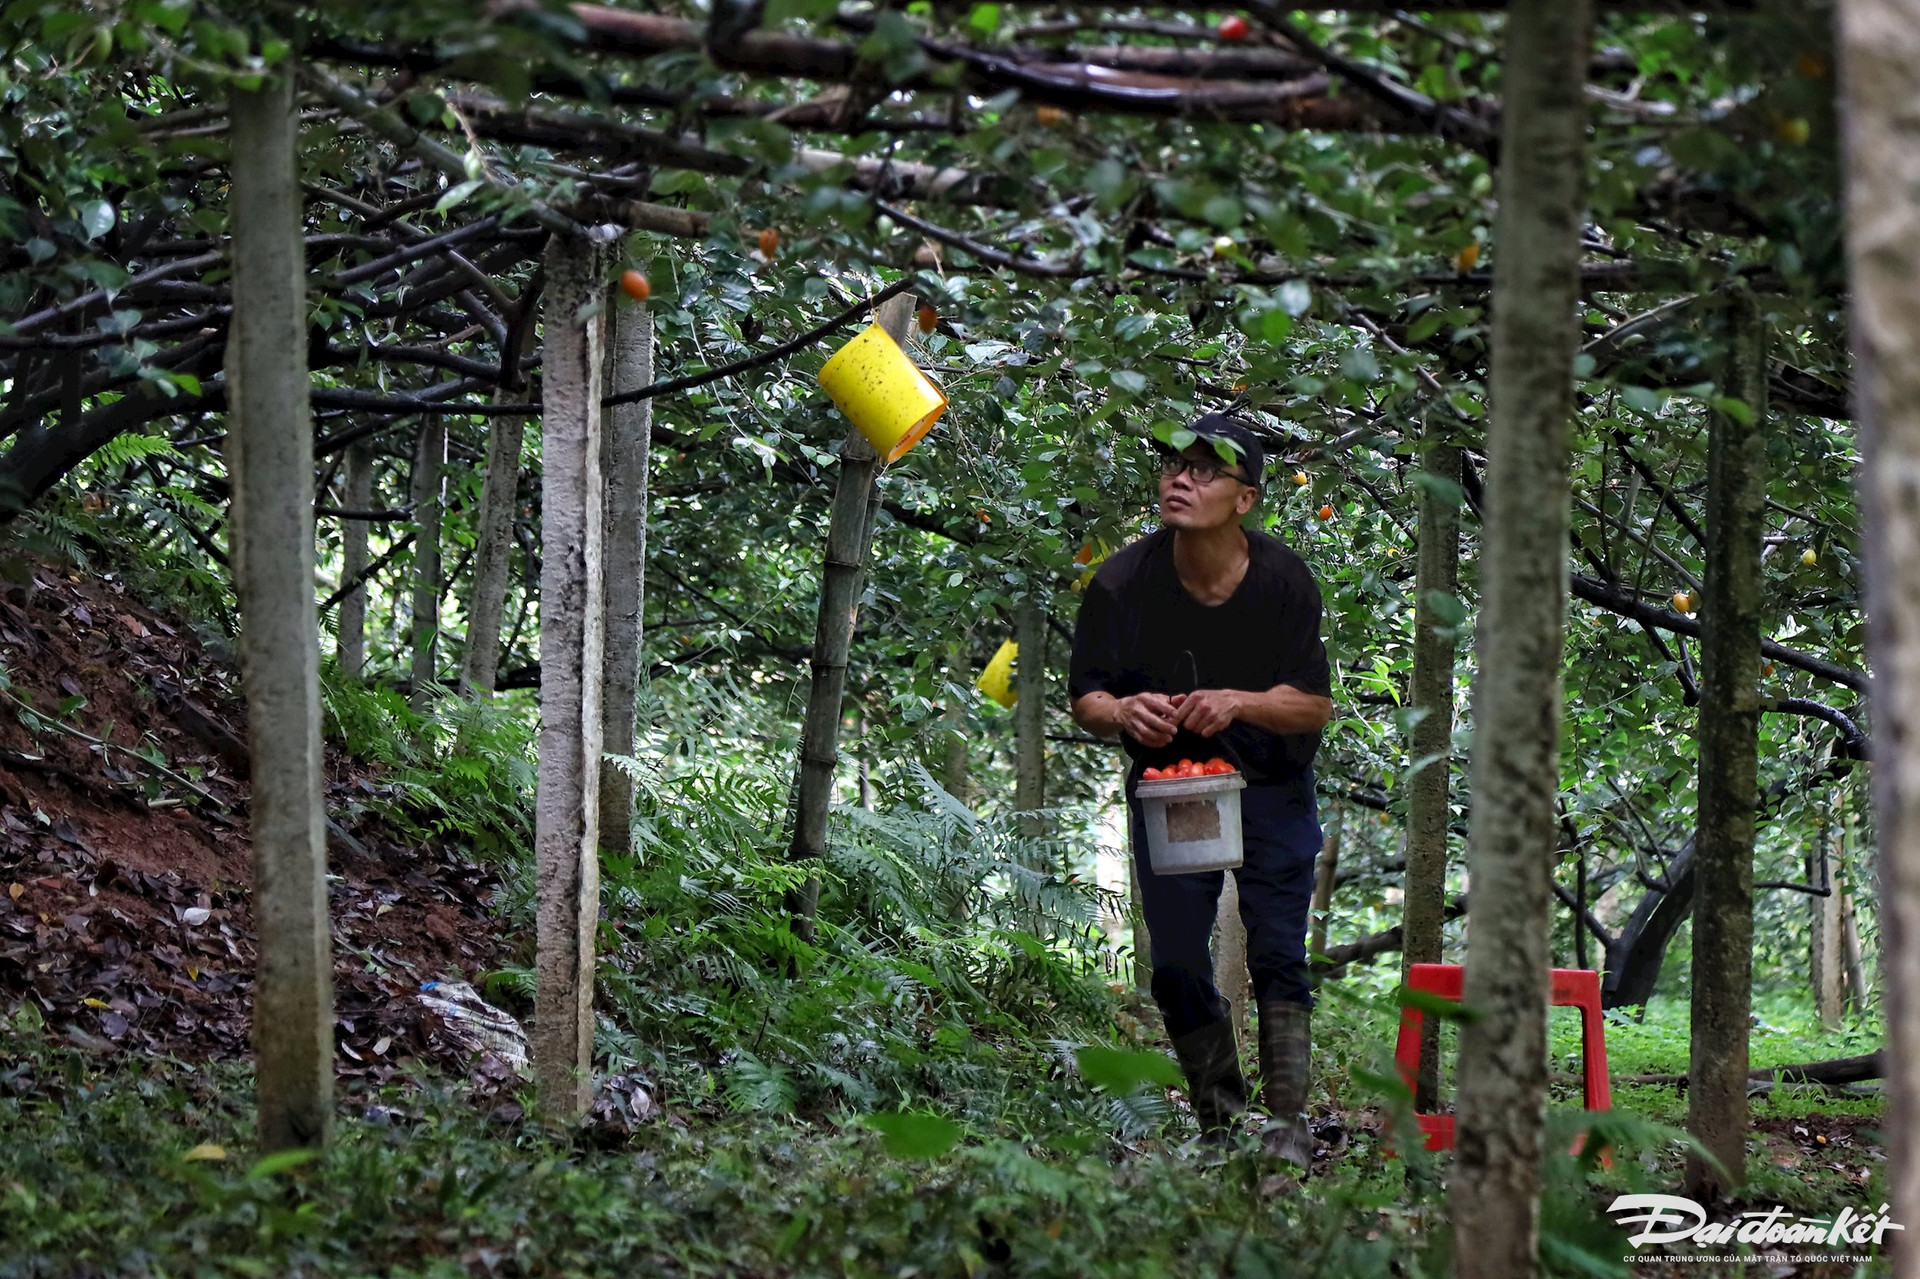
(997, 680)
(882, 392)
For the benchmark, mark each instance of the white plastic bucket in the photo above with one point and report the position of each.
(1193, 823)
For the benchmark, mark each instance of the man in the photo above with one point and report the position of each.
(1203, 639)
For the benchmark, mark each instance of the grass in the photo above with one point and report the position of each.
(96, 1176)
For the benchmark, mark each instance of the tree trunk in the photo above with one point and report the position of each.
(429, 456)
(953, 774)
(624, 461)
(1729, 765)
(1030, 714)
(1850, 952)
(1846, 870)
(566, 804)
(1230, 975)
(1142, 939)
(1826, 968)
(493, 551)
(1880, 60)
(863, 767)
(1495, 1190)
(849, 532)
(270, 462)
(1325, 876)
(1835, 1072)
(354, 558)
(1437, 574)
(1029, 742)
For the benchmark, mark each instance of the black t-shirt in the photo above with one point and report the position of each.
(1140, 631)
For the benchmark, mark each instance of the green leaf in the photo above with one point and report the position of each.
(1414, 767)
(456, 194)
(1425, 327)
(1641, 398)
(1121, 1070)
(1294, 297)
(1739, 410)
(1107, 179)
(985, 19)
(1447, 608)
(1433, 1005)
(1442, 488)
(1222, 210)
(280, 1161)
(97, 218)
(1130, 380)
(911, 1134)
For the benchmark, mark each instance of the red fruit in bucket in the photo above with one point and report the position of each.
(1152, 775)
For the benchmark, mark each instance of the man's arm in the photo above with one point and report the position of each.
(1148, 718)
(1286, 709)
(1281, 709)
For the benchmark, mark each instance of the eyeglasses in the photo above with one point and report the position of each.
(1204, 470)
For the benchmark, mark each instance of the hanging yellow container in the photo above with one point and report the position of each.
(882, 392)
(997, 680)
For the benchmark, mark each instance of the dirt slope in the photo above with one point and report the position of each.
(124, 909)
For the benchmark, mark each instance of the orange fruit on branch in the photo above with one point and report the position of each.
(1300, 478)
(929, 319)
(1233, 28)
(1326, 512)
(1049, 116)
(635, 285)
(769, 242)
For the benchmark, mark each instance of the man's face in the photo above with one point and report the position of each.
(1191, 503)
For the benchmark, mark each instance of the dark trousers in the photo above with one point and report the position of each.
(1280, 834)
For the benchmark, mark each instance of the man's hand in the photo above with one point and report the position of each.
(1148, 718)
(1208, 711)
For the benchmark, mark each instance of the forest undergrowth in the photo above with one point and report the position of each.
(955, 1077)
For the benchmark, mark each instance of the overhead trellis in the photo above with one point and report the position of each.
(437, 180)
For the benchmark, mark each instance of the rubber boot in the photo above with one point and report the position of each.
(1210, 1059)
(1286, 1055)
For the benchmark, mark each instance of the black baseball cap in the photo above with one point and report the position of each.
(1239, 433)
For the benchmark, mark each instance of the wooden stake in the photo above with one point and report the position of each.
(566, 808)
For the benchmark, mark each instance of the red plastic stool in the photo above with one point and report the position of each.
(1572, 987)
